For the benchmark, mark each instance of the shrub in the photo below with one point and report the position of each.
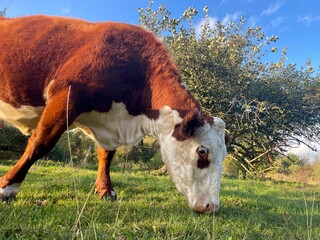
(80, 144)
(12, 143)
(288, 164)
(316, 168)
(231, 167)
(145, 155)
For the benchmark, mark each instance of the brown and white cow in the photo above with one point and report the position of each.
(117, 83)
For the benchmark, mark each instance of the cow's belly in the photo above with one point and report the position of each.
(115, 127)
(25, 118)
(109, 129)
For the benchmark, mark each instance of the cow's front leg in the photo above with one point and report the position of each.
(49, 129)
(103, 184)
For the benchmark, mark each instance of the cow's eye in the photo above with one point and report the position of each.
(202, 151)
(203, 161)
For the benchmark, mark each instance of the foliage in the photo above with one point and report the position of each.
(307, 173)
(316, 168)
(146, 155)
(12, 142)
(149, 207)
(79, 146)
(287, 163)
(3, 11)
(266, 106)
(232, 168)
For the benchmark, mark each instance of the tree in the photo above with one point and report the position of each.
(3, 11)
(266, 106)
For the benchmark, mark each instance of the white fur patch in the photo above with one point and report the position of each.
(10, 191)
(115, 127)
(25, 118)
(47, 89)
(113, 194)
(184, 85)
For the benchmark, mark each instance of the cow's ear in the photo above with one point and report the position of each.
(186, 128)
(227, 138)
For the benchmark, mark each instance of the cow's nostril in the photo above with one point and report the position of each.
(206, 207)
(211, 208)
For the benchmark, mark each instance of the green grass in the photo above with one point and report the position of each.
(55, 203)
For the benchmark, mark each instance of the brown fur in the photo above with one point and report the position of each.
(104, 62)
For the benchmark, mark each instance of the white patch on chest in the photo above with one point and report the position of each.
(115, 127)
(25, 118)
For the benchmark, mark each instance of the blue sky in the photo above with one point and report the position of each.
(296, 22)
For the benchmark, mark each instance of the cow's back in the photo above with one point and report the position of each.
(30, 55)
(40, 49)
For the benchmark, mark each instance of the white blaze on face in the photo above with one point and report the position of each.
(201, 186)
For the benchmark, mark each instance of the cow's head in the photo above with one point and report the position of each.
(193, 151)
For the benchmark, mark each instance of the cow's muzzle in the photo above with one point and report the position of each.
(203, 206)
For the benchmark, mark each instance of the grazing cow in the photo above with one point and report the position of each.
(117, 83)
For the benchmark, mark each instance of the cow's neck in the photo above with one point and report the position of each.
(168, 90)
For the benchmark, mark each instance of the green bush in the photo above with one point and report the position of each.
(79, 146)
(12, 142)
(231, 167)
(288, 164)
(145, 155)
(316, 168)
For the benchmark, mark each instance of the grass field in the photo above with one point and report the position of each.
(57, 202)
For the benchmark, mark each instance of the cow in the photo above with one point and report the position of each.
(117, 83)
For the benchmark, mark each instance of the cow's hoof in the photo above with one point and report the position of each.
(3, 198)
(9, 192)
(6, 199)
(112, 196)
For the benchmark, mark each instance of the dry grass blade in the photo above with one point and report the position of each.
(77, 223)
(68, 134)
(286, 219)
